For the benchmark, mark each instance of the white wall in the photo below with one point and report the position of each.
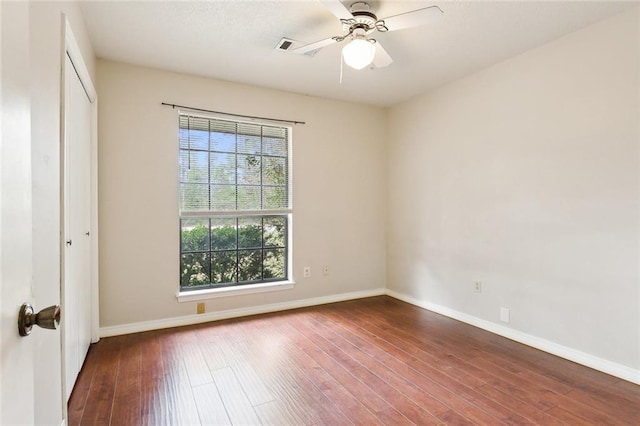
(338, 190)
(46, 52)
(525, 177)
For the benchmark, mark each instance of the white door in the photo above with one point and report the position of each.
(16, 353)
(76, 289)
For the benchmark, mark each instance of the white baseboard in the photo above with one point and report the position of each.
(600, 364)
(234, 313)
(591, 361)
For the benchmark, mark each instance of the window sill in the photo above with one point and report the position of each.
(214, 293)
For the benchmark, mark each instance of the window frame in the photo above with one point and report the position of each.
(213, 290)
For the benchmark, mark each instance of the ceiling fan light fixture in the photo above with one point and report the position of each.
(359, 52)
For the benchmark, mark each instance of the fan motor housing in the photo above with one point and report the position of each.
(362, 16)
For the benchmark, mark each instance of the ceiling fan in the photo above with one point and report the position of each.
(359, 23)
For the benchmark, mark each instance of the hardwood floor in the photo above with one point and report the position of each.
(369, 361)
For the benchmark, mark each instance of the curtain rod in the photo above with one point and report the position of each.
(233, 115)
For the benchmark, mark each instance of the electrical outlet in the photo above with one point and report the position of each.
(504, 314)
(477, 286)
(325, 270)
(306, 272)
(200, 308)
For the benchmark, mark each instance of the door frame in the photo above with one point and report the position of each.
(71, 48)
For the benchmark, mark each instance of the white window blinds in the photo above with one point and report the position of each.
(231, 166)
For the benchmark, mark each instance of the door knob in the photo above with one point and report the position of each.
(46, 318)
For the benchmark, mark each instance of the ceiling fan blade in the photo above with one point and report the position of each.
(314, 46)
(337, 8)
(412, 19)
(382, 58)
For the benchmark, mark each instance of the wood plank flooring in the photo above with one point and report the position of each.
(369, 361)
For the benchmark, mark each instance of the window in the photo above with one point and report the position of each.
(235, 203)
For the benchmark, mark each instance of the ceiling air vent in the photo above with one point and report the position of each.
(289, 45)
(284, 44)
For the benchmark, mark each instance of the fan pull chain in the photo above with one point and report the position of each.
(341, 66)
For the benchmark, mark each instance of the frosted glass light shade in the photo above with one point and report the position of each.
(358, 53)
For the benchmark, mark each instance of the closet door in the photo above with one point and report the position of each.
(76, 286)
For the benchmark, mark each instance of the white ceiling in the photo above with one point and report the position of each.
(235, 40)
